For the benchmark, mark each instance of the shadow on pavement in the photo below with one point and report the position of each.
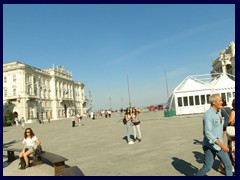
(184, 167)
(6, 145)
(197, 142)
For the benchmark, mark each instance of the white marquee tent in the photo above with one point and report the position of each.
(191, 96)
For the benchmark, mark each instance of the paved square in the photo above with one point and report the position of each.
(171, 146)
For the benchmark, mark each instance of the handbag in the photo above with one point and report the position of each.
(230, 131)
(136, 123)
(124, 121)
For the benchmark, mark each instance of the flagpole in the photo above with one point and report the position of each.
(166, 84)
(129, 93)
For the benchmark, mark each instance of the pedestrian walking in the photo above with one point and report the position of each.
(212, 138)
(49, 118)
(22, 122)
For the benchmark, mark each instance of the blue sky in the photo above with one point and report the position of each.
(102, 44)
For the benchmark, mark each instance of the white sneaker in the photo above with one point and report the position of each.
(130, 142)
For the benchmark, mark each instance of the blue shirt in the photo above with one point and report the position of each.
(212, 128)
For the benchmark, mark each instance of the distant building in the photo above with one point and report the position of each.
(34, 93)
(225, 63)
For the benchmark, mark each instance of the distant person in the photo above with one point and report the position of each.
(109, 113)
(78, 118)
(41, 121)
(16, 120)
(136, 124)
(212, 138)
(92, 115)
(106, 113)
(128, 117)
(49, 118)
(73, 121)
(30, 143)
(22, 123)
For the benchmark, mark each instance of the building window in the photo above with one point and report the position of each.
(179, 101)
(208, 98)
(185, 101)
(5, 79)
(14, 92)
(14, 78)
(35, 91)
(5, 92)
(28, 90)
(223, 95)
(229, 96)
(197, 102)
(203, 99)
(191, 103)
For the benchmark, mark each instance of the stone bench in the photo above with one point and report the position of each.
(72, 171)
(57, 160)
(11, 153)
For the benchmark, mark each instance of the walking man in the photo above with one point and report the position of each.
(212, 138)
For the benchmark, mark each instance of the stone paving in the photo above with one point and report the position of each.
(171, 146)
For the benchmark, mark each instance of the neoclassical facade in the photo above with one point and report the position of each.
(225, 63)
(35, 93)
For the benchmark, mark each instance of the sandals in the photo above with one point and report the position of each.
(221, 169)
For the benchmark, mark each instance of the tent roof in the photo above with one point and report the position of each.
(205, 82)
(223, 82)
(191, 84)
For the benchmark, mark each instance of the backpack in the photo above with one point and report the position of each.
(38, 150)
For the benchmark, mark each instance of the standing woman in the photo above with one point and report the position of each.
(225, 112)
(231, 136)
(231, 119)
(136, 124)
(30, 143)
(128, 117)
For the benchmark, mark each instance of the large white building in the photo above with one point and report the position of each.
(225, 63)
(35, 93)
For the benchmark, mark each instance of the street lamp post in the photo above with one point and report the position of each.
(121, 102)
(110, 102)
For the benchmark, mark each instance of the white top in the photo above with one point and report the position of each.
(31, 142)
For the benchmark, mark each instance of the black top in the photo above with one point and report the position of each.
(225, 112)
